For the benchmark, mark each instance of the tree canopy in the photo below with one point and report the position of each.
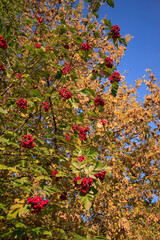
(79, 153)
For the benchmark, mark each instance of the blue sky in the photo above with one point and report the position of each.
(141, 19)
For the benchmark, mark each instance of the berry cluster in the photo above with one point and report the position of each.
(3, 43)
(103, 121)
(37, 203)
(37, 45)
(2, 68)
(46, 106)
(65, 93)
(28, 142)
(47, 48)
(109, 62)
(63, 196)
(115, 77)
(81, 159)
(85, 46)
(94, 71)
(75, 181)
(115, 32)
(85, 184)
(19, 75)
(66, 69)
(67, 137)
(40, 20)
(99, 101)
(54, 173)
(76, 127)
(100, 175)
(66, 46)
(82, 131)
(22, 103)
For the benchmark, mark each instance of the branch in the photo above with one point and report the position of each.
(54, 120)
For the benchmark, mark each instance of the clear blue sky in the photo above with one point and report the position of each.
(141, 19)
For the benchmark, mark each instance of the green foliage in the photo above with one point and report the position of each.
(114, 89)
(110, 3)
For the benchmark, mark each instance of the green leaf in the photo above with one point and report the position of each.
(28, 47)
(100, 238)
(51, 189)
(74, 103)
(107, 23)
(78, 39)
(43, 178)
(2, 206)
(59, 74)
(17, 209)
(93, 152)
(107, 71)
(2, 167)
(88, 92)
(3, 111)
(123, 41)
(114, 89)
(89, 237)
(31, 104)
(77, 237)
(36, 92)
(86, 201)
(91, 26)
(76, 165)
(99, 166)
(110, 3)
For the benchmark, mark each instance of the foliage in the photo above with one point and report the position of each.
(94, 166)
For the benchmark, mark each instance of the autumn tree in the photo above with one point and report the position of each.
(79, 153)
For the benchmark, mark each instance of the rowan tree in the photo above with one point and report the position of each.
(79, 152)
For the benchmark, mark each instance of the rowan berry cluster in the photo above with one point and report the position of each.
(54, 173)
(109, 62)
(76, 127)
(75, 181)
(47, 48)
(100, 175)
(81, 159)
(82, 131)
(27, 142)
(40, 20)
(46, 106)
(37, 45)
(2, 68)
(115, 77)
(3, 43)
(67, 137)
(103, 121)
(65, 93)
(85, 46)
(22, 103)
(66, 69)
(63, 196)
(99, 101)
(85, 184)
(94, 71)
(19, 75)
(66, 46)
(37, 203)
(115, 32)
